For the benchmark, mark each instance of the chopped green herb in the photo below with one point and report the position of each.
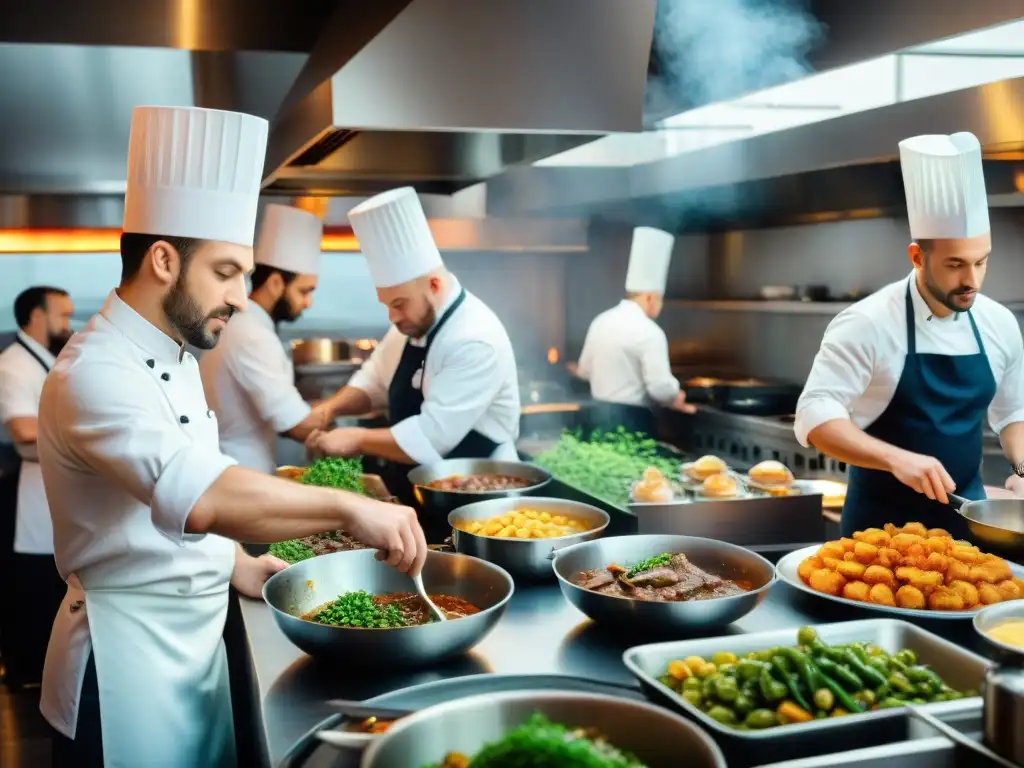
(291, 551)
(357, 609)
(650, 563)
(333, 472)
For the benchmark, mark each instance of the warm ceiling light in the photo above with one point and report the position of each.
(109, 241)
(553, 356)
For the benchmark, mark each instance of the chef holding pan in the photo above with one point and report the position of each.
(445, 370)
(248, 377)
(144, 504)
(625, 353)
(905, 379)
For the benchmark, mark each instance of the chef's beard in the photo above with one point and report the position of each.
(55, 342)
(948, 298)
(187, 319)
(420, 328)
(282, 312)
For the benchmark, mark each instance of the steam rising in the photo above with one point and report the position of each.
(712, 50)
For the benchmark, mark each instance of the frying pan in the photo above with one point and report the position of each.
(998, 523)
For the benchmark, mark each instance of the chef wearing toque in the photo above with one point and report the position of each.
(625, 354)
(445, 370)
(144, 504)
(906, 378)
(248, 376)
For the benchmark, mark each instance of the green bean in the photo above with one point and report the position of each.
(803, 668)
(744, 704)
(907, 657)
(760, 719)
(899, 682)
(726, 690)
(749, 669)
(890, 703)
(790, 683)
(723, 715)
(864, 670)
(844, 699)
(771, 689)
(840, 673)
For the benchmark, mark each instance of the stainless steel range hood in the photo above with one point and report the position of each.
(452, 92)
(844, 167)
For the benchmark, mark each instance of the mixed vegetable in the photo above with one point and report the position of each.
(811, 681)
(540, 743)
(358, 609)
(605, 464)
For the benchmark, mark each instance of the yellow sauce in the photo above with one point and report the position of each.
(1010, 632)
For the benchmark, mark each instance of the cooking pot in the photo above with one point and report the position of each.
(319, 350)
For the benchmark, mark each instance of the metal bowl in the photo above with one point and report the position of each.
(657, 737)
(716, 557)
(523, 558)
(305, 585)
(992, 616)
(436, 505)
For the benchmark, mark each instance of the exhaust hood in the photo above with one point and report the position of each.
(451, 92)
(839, 168)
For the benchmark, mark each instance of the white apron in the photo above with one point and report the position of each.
(160, 661)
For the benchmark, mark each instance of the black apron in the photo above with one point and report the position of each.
(405, 399)
(938, 410)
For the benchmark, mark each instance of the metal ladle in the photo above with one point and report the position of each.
(422, 592)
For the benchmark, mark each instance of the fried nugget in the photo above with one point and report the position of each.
(988, 594)
(829, 582)
(917, 529)
(889, 558)
(831, 549)
(990, 573)
(876, 574)
(865, 553)
(851, 569)
(969, 555)
(881, 594)
(909, 596)
(902, 542)
(1008, 590)
(874, 536)
(831, 563)
(856, 590)
(967, 591)
(940, 544)
(945, 599)
(847, 544)
(891, 529)
(926, 581)
(808, 566)
(958, 571)
(938, 533)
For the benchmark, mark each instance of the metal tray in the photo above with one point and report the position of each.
(787, 572)
(960, 668)
(309, 752)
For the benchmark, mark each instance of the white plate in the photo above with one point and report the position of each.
(786, 571)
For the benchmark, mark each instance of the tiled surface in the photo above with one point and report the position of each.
(24, 735)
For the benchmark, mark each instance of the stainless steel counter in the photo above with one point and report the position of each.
(540, 633)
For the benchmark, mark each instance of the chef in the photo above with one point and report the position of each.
(144, 504)
(248, 376)
(904, 379)
(43, 315)
(625, 353)
(445, 370)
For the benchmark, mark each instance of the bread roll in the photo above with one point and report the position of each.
(771, 473)
(720, 487)
(705, 467)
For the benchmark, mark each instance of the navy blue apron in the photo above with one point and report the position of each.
(938, 410)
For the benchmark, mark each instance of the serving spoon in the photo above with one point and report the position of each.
(422, 592)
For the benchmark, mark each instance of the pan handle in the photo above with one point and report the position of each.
(957, 502)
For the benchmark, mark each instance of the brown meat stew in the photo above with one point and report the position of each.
(479, 483)
(667, 578)
(389, 611)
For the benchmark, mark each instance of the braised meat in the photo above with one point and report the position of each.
(677, 581)
(478, 483)
(325, 544)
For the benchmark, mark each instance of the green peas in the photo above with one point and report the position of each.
(722, 715)
(727, 669)
(693, 697)
(907, 657)
(865, 697)
(899, 682)
(693, 684)
(749, 669)
(744, 704)
(824, 699)
(889, 703)
(806, 636)
(358, 609)
(760, 719)
(726, 689)
(723, 657)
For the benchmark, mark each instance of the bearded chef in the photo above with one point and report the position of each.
(248, 376)
(43, 315)
(625, 353)
(144, 504)
(445, 370)
(904, 379)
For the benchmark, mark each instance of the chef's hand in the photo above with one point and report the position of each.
(1015, 484)
(391, 529)
(322, 415)
(925, 474)
(680, 403)
(344, 442)
(251, 573)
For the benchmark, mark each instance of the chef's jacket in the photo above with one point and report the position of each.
(625, 358)
(249, 383)
(862, 354)
(21, 384)
(469, 382)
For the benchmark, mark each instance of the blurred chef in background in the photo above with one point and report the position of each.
(904, 379)
(34, 588)
(248, 377)
(625, 354)
(445, 370)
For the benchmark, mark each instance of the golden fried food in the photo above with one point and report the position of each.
(856, 590)
(829, 582)
(911, 567)
(910, 597)
(524, 523)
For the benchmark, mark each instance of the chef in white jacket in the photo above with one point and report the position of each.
(248, 377)
(144, 504)
(445, 370)
(625, 353)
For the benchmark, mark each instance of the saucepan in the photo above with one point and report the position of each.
(996, 523)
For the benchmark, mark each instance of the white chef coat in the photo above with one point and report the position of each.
(249, 383)
(861, 358)
(21, 384)
(469, 382)
(625, 358)
(127, 447)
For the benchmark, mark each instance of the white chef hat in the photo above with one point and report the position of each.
(290, 239)
(649, 260)
(194, 173)
(394, 237)
(945, 186)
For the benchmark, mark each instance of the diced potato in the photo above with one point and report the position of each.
(506, 519)
(519, 521)
(507, 531)
(522, 533)
(492, 529)
(474, 527)
(559, 520)
(545, 517)
(533, 514)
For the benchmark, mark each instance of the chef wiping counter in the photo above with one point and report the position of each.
(445, 369)
(144, 505)
(905, 379)
(248, 377)
(625, 353)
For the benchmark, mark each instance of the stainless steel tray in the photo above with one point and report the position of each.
(309, 752)
(786, 569)
(960, 668)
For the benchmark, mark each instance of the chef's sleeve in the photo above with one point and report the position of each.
(17, 398)
(467, 383)
(585, 367)
(661, 385)
(260, 367)
(374, 376)
(115, 420)
(840, 375)
(1007, 406)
